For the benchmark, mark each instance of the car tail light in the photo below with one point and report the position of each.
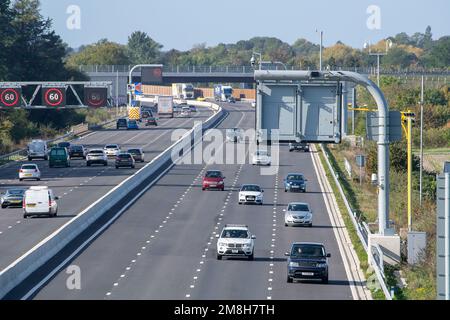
(49, 201)
(20, 170)
(23, 203)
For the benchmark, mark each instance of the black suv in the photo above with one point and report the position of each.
(122, 123)
(307, 261)
(77, 152)
(298, 146)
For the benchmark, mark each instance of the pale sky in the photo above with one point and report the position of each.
(180, 24)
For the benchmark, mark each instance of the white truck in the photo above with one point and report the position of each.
(165, 106)
(223, 93)
(183, 91)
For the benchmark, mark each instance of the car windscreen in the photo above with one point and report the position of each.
(76, 148)
(228, 91)
(112, 146)
(131, 122)
(213, 174)
(29, 167)
(96, 152)
(58, 152)
(122, 121)
(308, 251)
(298, 207)
(134, 151)
(295, 177)
(124, 156)
(261, 153)
(63, 144)
(230, 233)
(251, 188)
(17, 192)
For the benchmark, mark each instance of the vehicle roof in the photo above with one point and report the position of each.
(38, 188)
(96, 150)
(311, 243)
(295, 173)
(236, 226)
(299, 203)
(111, 144)
(250, 184)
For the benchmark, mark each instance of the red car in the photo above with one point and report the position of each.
(213, 180)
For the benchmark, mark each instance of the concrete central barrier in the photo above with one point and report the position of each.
(31, 261)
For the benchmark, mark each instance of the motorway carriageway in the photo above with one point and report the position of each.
(79, 186)
(164, 247)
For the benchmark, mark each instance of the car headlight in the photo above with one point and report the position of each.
(293, 264)
(222, 244)
(246, 245)
(220, 182)
(321, 265)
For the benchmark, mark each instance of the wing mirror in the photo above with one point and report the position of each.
(56, 198)
(287, 254)
(284, 210)
(217, 236)
(253, 237)
(328, 255)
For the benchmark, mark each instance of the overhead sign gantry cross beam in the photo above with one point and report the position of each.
(383, 114)
(54, 94)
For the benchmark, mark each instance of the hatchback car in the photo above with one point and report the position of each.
(121, 123)
(29, 171)
(124, 160)
(151, 121)
(59, 156)
(64, 144)
(138, 154)
(77, 151)
(235, 240)
(307, 260)
(12, 198)
(298, 214)
(96, 156)
(261, 157)
(132, 125)
(112, 150)
(213, 179)
(251, 193)
(295, 182)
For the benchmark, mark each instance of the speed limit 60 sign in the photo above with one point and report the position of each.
(54, 97)
(10, 97)
(95, 97)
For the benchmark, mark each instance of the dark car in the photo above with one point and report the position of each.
(64, 145)
(124, 160)
(213, 179)
(307, 261)
(138, 154)
(231, 100)
(77, 151)
(12, 198)
(59, 156)
(132, 125)
(151, 121)
(298, 146)
(121, 123)
(295, 182)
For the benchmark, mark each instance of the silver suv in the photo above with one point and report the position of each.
(235, 240)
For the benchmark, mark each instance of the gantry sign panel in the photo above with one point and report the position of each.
(301, 112)
(10, 97)
(54, 97)
(152, 75)
(95, 97)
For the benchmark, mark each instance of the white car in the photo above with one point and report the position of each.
(235, 240)
(29, 171)
(96, 156)
(112, 150)
(185, 112)
(261, 157)
(298, 214)
(39, 201)
(251, 193)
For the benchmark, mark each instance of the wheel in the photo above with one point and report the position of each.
(310, 225)
(286, 225)
(25, 216)
(261, 204)
(240, 203)
(55, 214)
(105, 164)
(285, 190)
(132, 167)
(203, 189)
(117, 167)
(46, 158)
(29, 159)
(4, 207)
(251, 257)
(38, 179)
(88, 164)
(290, 150)
(325, 280)
(219, 257)
(289, 279)
(20, 179)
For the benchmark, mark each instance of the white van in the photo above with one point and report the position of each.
(37, 149)
(39, 201)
